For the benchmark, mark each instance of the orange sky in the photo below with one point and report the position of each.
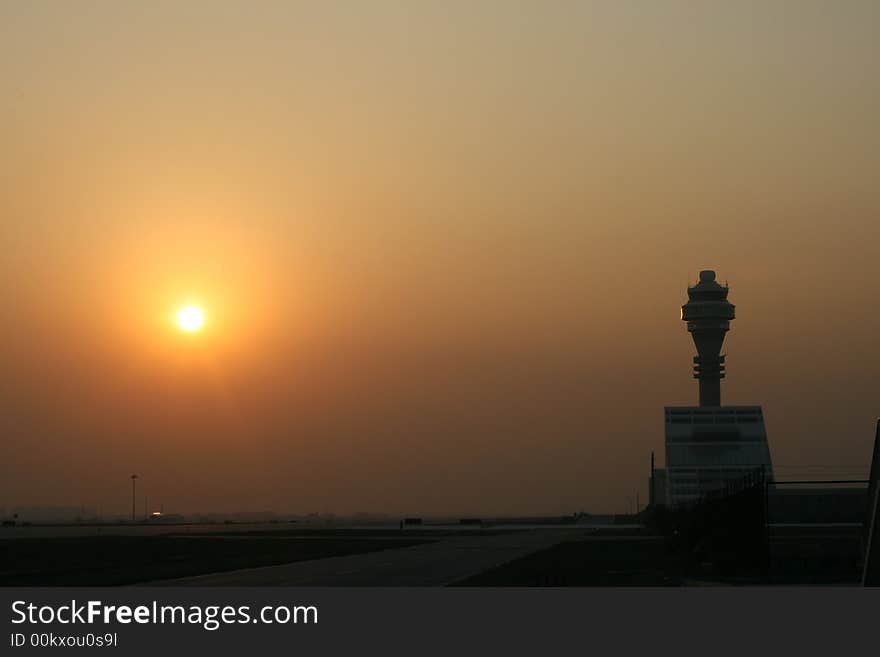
(442, 248)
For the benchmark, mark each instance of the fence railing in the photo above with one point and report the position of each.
(725, 527)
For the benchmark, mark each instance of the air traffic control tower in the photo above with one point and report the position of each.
(710, 444)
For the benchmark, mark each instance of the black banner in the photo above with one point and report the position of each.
(497, 621)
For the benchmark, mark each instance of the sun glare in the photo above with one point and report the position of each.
(190, 319)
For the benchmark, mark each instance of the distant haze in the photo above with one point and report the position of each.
(441, 247)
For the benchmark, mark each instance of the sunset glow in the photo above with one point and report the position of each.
(191, 319)
(424, 258)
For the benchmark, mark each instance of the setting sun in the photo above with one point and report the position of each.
(190, 319)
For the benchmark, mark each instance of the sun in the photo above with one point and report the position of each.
(191, 319)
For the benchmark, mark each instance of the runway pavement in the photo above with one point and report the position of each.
(439, 563)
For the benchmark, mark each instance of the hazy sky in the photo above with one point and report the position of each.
(441, 246)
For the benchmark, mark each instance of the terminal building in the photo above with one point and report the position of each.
(709, 445)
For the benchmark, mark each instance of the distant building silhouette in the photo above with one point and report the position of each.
(710, 444)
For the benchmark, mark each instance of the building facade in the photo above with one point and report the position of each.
(708, 447)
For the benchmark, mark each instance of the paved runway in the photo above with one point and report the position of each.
(445, 561)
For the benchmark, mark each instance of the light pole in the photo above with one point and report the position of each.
(134, 478)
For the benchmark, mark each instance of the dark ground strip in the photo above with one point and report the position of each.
(117, 560)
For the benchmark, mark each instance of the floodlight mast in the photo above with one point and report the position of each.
(134, 479)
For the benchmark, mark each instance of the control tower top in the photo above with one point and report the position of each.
(708, 314)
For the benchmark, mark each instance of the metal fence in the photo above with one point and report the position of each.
(724, 532)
